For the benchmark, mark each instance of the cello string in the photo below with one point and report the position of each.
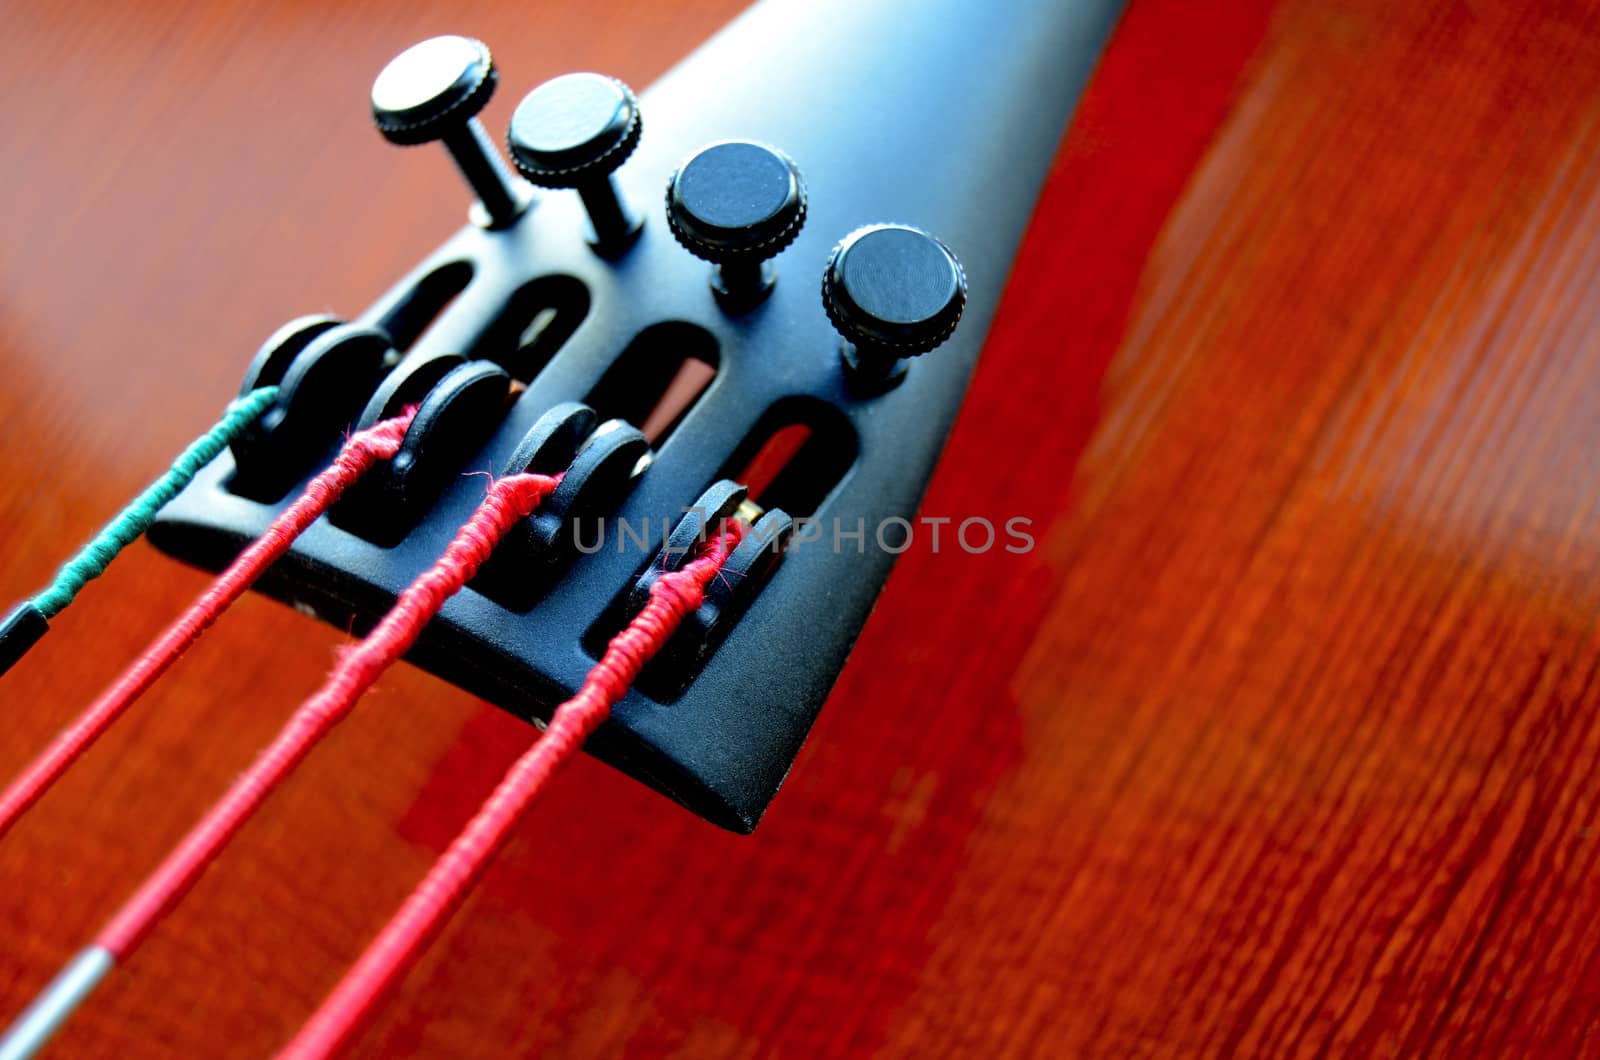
(430, 906)
(358, 455)
(92, 560)
(509, 500)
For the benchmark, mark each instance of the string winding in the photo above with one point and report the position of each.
(510, 499)
(359, 454)
(93, 559)
(672, 596)
(442, 890)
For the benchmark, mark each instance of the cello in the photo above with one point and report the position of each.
(1276, 741)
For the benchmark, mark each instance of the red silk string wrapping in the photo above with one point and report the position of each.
(359, 454)
(431, 904)
(510, 499)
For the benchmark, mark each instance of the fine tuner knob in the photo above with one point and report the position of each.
(737, 204)
(573, 132)
(434, 91)
(893, 292)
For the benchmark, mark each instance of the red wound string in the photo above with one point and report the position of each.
(360, 453)
(509, 500)
(440, 893)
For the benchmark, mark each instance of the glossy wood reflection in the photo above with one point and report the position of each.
(1283, 740)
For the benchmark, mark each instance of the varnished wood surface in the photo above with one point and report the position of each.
(1284, 740)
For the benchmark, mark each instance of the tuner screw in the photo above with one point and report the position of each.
(736, 204)
(893, 292)
(573, 132)
(434, 91)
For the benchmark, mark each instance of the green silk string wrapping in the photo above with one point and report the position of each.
(92, 560)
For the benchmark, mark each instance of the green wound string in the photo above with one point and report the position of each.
(92, 560)
(29, 622)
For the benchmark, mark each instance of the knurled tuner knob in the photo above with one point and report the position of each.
(893, 292)
(434, 91)
(737, 204)
(573, 132)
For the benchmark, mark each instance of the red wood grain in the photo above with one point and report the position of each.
(1283, 740)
